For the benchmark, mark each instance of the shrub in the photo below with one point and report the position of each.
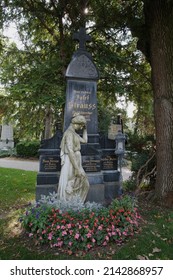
(27, 148)
(8, 153)
(142, 156)
(82, 229)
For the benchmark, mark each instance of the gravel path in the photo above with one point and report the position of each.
(33, 165)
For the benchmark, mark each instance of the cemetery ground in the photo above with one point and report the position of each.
(17, 189)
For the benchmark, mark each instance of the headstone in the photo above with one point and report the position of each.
(98, 159)
(6, 140)
(81, 97)
(98, 155)
(49, 166)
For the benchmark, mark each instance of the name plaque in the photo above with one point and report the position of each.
(81, 98)
(113, 130)
(91, 163)
(50, 163)
(109, 162)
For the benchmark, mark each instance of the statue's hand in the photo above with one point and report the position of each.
(79, 173)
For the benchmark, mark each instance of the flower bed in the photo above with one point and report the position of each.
(82, 229)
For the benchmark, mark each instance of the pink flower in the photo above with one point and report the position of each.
(62, 227)
(100, 227)
(69, 226)
(58, 227)
(86, 226)
(89, 235)
(89, 246)
(104, 243)
(70, 243)
(77, 235)
(30, 234)
(118, 231)
(50, 235)
(93, 240)
(64, 233)
(107, 238)
(60, 243)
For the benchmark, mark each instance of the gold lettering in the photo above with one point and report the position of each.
(81, 91)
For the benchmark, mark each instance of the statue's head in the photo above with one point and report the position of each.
(78, 119)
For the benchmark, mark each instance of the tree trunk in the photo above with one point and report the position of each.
(159, 20)
(48, 123)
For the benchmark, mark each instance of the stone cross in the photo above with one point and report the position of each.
(82, 38)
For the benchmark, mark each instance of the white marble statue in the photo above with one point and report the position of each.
(73, 180)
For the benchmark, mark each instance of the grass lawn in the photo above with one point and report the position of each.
(17, 189)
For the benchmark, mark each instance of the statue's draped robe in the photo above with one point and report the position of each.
(71, 185)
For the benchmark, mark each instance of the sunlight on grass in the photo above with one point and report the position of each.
(16, 187)
(13, 227)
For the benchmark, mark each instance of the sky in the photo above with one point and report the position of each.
(11, 33)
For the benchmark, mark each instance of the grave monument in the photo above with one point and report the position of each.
(98, 155)
(6, 139)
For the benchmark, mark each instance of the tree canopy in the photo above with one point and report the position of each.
(36, 76)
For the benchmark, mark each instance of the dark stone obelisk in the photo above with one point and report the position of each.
(81, 96)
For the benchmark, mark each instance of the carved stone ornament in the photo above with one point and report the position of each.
(82, 67)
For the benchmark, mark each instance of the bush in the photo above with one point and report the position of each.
(143, 161)
(27, 148)
(83, 229)
(8, 153)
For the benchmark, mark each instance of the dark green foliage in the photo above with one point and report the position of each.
(138, 143)
(138, 160)
(142, 156)
(37, 75)
(27, 148)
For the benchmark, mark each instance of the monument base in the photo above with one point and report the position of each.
(96, 194)
(46, 183)
(104, 186)
(45, 190)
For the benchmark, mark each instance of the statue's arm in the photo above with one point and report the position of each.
(84, 138)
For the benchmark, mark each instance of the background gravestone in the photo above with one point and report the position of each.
(6, 139)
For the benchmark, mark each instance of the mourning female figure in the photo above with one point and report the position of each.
(73, 180)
